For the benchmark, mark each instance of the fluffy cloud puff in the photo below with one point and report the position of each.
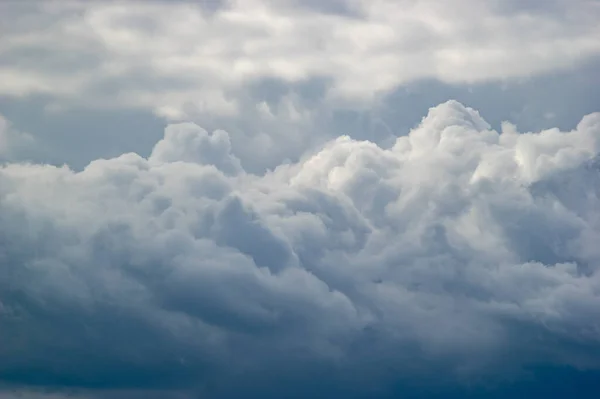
(459, 252)
(182, 58)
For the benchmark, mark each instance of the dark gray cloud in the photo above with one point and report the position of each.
(446, 264)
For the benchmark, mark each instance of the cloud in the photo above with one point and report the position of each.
(188, 142)
(182, 58)
(12, 142)
(456, 255)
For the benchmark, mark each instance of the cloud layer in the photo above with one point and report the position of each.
(455, 254)
(186, 58)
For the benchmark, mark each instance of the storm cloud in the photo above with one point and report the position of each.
(299, 199)
(460, 256)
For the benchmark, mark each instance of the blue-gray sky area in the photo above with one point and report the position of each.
(299, 199)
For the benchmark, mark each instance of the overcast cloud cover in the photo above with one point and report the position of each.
(299, 199)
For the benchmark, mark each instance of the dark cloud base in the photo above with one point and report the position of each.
(543, 382)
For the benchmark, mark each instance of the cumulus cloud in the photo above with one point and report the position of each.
(457, 253)
(182, 58)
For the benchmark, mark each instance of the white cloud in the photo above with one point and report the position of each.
(443, 252)
(176, 58)
(187, 142)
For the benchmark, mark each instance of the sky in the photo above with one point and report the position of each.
(299, 199)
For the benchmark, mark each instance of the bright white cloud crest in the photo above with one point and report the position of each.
(459, 243)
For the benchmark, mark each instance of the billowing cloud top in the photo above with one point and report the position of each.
(454, 256)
